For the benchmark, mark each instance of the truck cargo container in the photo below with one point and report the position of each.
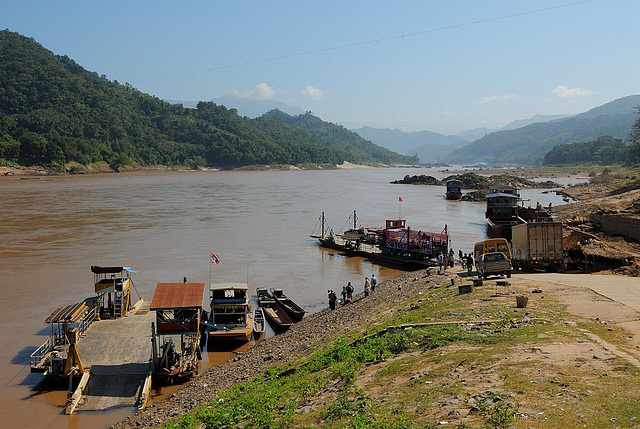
(537, 245)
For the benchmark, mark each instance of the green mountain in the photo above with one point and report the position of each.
(337, 136)
(604, 151)
(528, 144)
(53, 111)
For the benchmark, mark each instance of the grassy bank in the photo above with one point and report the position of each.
(469, 361)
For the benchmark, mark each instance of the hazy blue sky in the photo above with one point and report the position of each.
(565, 60)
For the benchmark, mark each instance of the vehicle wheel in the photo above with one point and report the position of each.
(509, 275)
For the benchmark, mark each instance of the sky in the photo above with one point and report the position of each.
(448, 78)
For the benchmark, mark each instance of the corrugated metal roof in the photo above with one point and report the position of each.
(69, 313)
(177, 295)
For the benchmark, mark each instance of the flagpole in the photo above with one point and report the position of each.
(210, 263)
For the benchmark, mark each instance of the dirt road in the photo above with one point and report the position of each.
(622, 289)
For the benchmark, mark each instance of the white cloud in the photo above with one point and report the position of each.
(262, 92)
(490, 98)
(563, 91)
(312, 92)
(447, 112)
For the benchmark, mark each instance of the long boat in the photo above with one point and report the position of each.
(272, 310)
(294, 310)
(258, 322)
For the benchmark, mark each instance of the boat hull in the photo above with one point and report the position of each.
(453, 195)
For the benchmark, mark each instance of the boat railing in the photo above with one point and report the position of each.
(87, 320)
(41, 352)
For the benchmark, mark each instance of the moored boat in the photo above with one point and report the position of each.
(294, 310)
(258, 322)
(231, 318)
(272, 310)
(454, 189)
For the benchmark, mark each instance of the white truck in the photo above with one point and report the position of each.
(537, 245)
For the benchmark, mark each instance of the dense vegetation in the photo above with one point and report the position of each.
(527, 144)
(53, 111)
(603, 150)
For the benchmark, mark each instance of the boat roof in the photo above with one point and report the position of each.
(454, 181)
(177, 295)
(69, 313)
(106, 270)
(501, 195)
(222, 286)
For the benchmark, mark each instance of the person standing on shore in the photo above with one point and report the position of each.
(344, 295)
(374, 283)
(349, 292)
(440, 262)
(462, 261)
(366, 286)
(332, 300)
(469, 264)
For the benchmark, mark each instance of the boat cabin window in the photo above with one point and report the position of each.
(228, 294)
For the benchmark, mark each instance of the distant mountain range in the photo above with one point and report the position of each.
(428, 145)
(246, 106)
(529, 143)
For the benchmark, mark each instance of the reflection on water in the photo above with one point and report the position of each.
(164, 226)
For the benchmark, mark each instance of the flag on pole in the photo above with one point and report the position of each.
(400, 199)
(215, 259)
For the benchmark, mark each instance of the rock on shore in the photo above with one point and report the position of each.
(313, 330)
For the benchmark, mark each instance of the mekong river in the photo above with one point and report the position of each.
(164, 225)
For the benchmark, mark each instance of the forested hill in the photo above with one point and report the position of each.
(337, 136)
(53, 111)
(528, 144)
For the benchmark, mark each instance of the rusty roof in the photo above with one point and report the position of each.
(178, 295)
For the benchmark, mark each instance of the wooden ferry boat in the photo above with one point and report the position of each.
(295, 312)
(272, 310)
(231, 317)
(179, 309)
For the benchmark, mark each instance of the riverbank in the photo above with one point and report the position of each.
(100, 168)
(419, 354)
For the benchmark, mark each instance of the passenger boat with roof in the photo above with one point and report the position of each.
(230, 317)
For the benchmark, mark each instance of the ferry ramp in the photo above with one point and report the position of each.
(118, 353)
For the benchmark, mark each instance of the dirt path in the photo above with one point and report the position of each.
(621, 289)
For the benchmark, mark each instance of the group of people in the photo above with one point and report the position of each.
(447, 260)
(347, 292)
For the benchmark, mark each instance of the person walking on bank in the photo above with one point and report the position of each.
(469, 264)
(374, 283)
(349, 292)
(462, 261)
(332, 300)
(440, 262)
(366, 286)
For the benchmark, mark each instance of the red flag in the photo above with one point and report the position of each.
(400, 199)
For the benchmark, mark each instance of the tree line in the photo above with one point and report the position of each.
(53, 111)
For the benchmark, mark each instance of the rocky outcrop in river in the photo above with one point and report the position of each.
(476, 181)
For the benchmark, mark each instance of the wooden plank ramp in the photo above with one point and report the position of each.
(118, 354)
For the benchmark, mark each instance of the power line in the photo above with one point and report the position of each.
(367, 42)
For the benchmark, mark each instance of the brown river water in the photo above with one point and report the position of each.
(164, 225)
